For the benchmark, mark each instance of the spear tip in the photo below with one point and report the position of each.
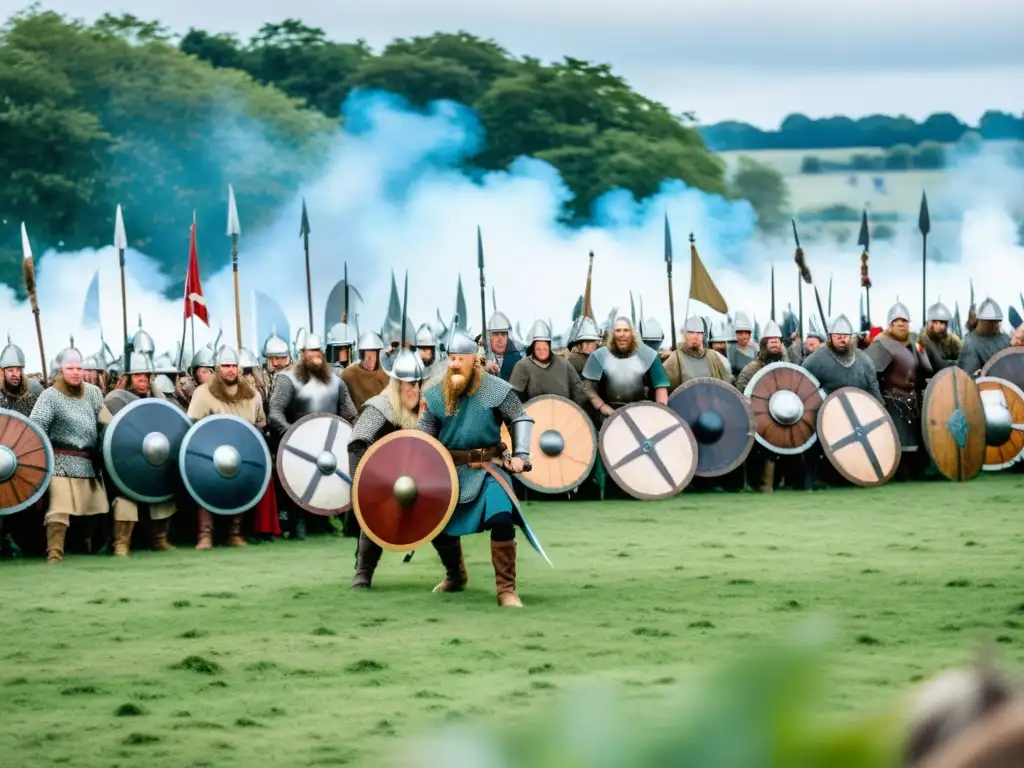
(120, 236)
(234, 227)
(304, 229)
(26, 247)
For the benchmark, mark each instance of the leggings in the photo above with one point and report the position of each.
(501, 527)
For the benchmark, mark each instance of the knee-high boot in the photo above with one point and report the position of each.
(235, 538)
(766, 477)
(160, 530)
(204, 523)
(503, 558)
(55, 533)
(122, 537)
(366, 562)
(455, 574)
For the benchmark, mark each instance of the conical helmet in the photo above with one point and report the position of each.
(275, 346)
(694, 324)
(247, 360)
(165, 365)
(897, 311)
(461, 343)
(584, 329)
(841, 326)
(407, 366)
(12, 356)
(142, 341)
(989, 310)
(309, 342)
(370, 341)
(341, 335)
(499, 323)
(651, 331)
(140, 363)
(939, 313)
(741, 322)
(227, 356)
(425, 337)
(539, 331)
(204, 358)
(70, 355)
(92, 363)
(771, 331)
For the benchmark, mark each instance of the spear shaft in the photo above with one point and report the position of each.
(309, 281)
(485, 339)
(238, 302)
(124, 308)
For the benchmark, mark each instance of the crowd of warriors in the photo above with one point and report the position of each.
(462, 395)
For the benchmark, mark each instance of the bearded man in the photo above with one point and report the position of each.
(94, 372)
(840, 364)
(903, 370)
(368, 379)
(542, 373)
(16, 390)
(583, 340)
(426, 348)
(624, 371)
(138, 383)
(692, 360)
(504, 355)
(309, 387)
(761, 464)
(465, 412)
(200, 371)
(227, 392)
(743, 350)
(985, 341)
(397, 407)
(68, 412)
(940, 344)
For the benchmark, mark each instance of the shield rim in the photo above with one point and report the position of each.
(924, 418)
(453, 477)
(184, 450)
(827, 449)
(1008, 352)
(522, 478)
(48, 448)
(108, 438)
(751, 426)
(287, 488)
(1016, 390)
(687, 478)
(821, 392)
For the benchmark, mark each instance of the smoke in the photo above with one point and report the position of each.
(392, 197)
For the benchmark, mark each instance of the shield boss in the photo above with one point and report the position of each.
(312, 464)
(1003, 403)
(648, 450)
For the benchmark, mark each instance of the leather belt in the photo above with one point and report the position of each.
(477, 455)
(72, 452)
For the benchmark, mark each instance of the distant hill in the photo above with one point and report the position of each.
(881, 131)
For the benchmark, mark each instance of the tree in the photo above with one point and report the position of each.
(899, 158)
(930, 155)
(810, 164)
(764, 188)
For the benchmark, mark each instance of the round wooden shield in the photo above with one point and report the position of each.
(1004, 422)
(224, 464)
(563, 447)
(785, 400)
(648, 450)
(953, 424)
(1006, 364)
(141, 446)
(26, 462)
(405, 490)
(721, 420)
(859, 437)
(312, 464)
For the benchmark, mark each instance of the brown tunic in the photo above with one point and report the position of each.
(708, 364)
(363, 384)
(530, 379)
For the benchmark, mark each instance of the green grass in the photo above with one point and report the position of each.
(263, 656)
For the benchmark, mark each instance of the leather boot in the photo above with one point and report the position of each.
(299, 526)
(235, 534)
(55, 533)
(455, 574)
(160, 530)
(122, 537)
(366, 562)
(766, 478)
(503, 558)
(204, 521)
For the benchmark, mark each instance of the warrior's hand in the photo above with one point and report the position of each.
(491, 366)
(516, 465)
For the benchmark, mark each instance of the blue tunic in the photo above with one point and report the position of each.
(475, 424)
(508, 362)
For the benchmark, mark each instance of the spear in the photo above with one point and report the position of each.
(864, 241)
(805, 276)
(799, 279)
(483, 292)
(588, 308)
(773, 293)
(28, 271)
(668, 271)
(121, 243)
(304, 233)
(234, 230)
(830, 295)
(924, 223)
(494, 299)
(344, 313)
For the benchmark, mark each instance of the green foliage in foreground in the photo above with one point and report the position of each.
(263, 656)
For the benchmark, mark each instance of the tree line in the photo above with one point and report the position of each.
(798, 131)
(122, 111)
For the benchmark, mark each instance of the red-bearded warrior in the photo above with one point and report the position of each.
(624, 371)
(339, 347)
(903, 370)
(368, 379)
(310, 387)
(940, 344)
(504, 353)
(226, 392)
(465, 412)
(692, 360)
(583, 340)
(68, 413)
(397, 407)
(743, 351)
(138, 383)
(542, 373)
(985, 341)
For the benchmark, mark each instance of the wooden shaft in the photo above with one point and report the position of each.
(238, 311)
(124, 312)
(672, 308)
(309, 286)
(924, 278)
(39, 338)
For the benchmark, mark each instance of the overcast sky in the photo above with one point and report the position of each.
(756, 61)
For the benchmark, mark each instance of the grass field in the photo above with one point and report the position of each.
(262, 656)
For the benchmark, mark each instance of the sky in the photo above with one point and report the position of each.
(722, 59)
